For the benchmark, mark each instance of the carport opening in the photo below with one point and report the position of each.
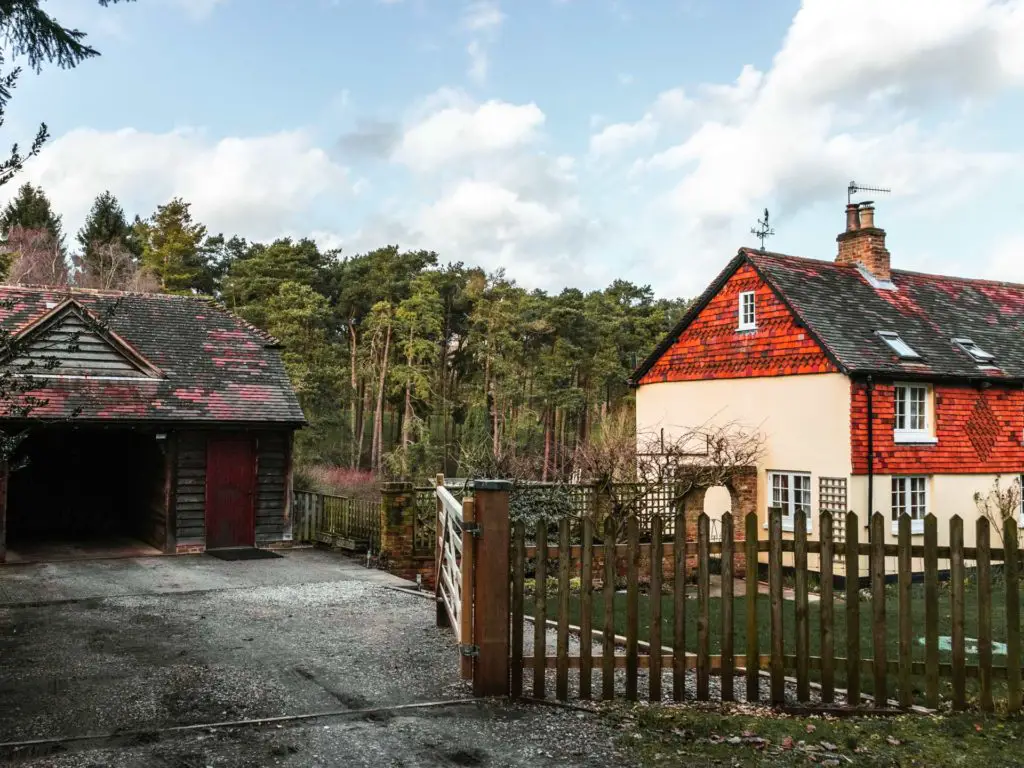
(87, 492)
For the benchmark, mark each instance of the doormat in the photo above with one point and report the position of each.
(242, 553)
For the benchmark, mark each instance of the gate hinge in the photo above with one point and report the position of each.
(469, 650)
(473, 529)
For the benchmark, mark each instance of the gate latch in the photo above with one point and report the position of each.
(473, 529)
(469, 650)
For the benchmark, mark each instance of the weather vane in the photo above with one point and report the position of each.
(763, 230)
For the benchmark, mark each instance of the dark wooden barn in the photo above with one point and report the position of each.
(162, 423)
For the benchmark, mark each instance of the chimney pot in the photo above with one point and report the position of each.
(852, 218)
(863, 243)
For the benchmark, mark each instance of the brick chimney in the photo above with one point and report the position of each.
(863, 243)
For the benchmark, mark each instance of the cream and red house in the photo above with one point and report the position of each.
(876, 389)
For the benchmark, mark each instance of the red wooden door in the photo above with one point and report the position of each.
(230, 488)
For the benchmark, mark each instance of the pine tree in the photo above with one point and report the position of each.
(105, 225)
(172, 248)
(31, 210)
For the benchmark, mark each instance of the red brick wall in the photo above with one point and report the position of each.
(979, 431)
(712, 348)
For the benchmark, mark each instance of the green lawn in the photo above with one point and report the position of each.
(814, 612)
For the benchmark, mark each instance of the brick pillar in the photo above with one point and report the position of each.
(397, 523)
(743, 490)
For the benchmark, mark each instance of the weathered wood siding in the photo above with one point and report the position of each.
(271, 493)
(190, 488)
(272, 486)
(88, 354)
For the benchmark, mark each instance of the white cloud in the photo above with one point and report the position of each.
(618, 137)
(478, 61)
(1005, 262)
(482, 16)
(856, 91)
(259, 186)
(461, 130)
(482, 20)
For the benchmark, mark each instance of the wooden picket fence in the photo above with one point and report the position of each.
(876, 652)
(321, 518)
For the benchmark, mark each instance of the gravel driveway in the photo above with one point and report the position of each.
(142, 647)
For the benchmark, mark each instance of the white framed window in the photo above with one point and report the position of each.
(747, 312)
(976, 353)
(792, 492)
(912, 406)
(898, 345)
(909, 497)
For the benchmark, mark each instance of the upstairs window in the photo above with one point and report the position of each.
(913, 421)
(898, 345)
(976, 353)
(747, 312)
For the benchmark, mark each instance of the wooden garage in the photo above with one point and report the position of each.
(148, 423)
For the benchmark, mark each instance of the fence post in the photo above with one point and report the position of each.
(491, 589)
(440, 531)
(397, 521)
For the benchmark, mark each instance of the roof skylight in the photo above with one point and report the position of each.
(977, 354)
(898, 345)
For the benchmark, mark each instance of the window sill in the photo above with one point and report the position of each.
(746, 328)
(916, 528)
(919, 438)
(788, 527)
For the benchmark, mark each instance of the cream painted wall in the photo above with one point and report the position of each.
(805, 421)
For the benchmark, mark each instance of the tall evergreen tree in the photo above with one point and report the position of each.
(172, 248)
(105, 225)
(31, 209)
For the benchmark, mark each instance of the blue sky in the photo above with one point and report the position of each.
(568, 142)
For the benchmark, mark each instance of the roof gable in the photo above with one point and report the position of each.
(708, 344)
(175, 359)
(69, 340)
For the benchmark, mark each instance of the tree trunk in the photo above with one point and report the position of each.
(547, 444)
(354, 412)
(364, 406)
(407, 415)
(376, 448)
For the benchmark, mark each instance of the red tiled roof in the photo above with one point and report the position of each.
(208, 364)
(842, 310)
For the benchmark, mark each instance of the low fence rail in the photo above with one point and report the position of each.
(336, 520)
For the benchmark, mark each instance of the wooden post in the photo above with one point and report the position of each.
(984, 562)
(752, 586)
(1012, 573)
(466, 609)
(540, 610)
(852, 611)
(956, 596)
(518, 582)
(657, 553)
(828, 678)
(562, 647)
(727, 642)
(608, 632)
(679, 606)
(931, 611)
(632, 606)
(906, 621)
(778, 680)
(491, 582)
(587, 609)
(703, 603)
(803, 632)
(876, 568)
(4, 476)
(440, 538)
